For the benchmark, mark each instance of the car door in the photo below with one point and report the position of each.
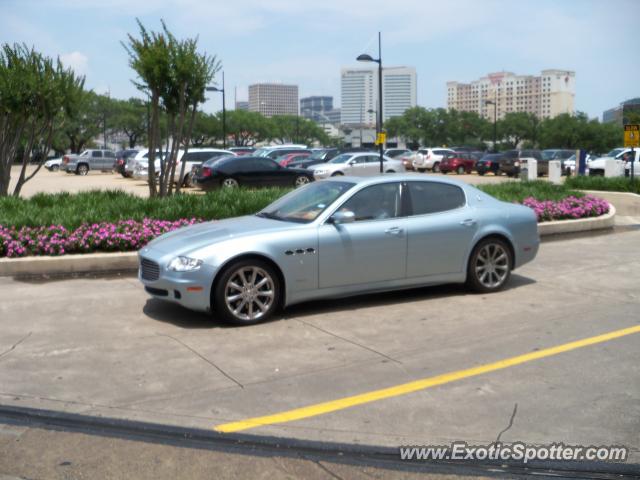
(268, 173)
(109, 160)
(372, 164)
(440, 228)
(96, 160)
(371, 249)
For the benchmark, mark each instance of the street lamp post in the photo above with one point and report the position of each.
(368, 58)
(224, 111)
(495, 116)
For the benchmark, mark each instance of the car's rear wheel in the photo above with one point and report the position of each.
(337, 174)
(436, 167)
(230, 183)
(390, 171)
(300, 181)
(460, 170)
(489, 266)
(82, 170)
(247, 292)
(481, 172)
(55, 168)
(422, 170)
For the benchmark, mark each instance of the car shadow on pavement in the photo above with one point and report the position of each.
(397, 297)
(179, 316)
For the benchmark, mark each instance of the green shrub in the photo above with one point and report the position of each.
(539, 189)
(614, 184)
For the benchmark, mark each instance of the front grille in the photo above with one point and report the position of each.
(149, 270)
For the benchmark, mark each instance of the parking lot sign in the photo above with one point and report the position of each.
(382, 137)
(632, 136)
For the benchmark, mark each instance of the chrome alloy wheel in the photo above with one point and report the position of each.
(301, 180)
(492, 265)
(249, 293)
(230, 183)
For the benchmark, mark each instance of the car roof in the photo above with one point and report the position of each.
(396, 177)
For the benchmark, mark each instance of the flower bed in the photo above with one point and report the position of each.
(568, 208)
(124, 235)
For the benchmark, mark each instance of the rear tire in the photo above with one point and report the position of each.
(436, 167)
(82, 170)
(338, 174)
(300, 181)
(422, 170)
(489, 266)
(247, 292)
(55, 168)
(229, 183)
(481, 173)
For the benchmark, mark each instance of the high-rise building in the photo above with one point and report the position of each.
(547, 95)
(360, 93)
(619, 114)
(242, 105)
(273, 99)
(315, 107)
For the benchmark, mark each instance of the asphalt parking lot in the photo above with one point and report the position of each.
(102, 347)
(54, 182)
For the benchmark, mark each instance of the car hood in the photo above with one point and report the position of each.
(204, 234)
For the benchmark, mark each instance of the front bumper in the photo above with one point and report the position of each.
(189, 289)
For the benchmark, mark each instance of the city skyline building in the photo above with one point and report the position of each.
(271, 99)
(546, 95)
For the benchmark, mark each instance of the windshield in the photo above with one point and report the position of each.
(344, 158)
(305, 204)
(319, 155)
(548, 154)
(261, 152)
(614, 152)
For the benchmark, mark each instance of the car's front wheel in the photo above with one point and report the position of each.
(337, 174)
(300, 181)
(247, 292)
(436, 167)
(55, 168)
(460, 170)
(489, 266)
(82, 170)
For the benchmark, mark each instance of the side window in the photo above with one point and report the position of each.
(265, 164)
(433, 197)
(375, 203)
(358, 160)
(96, 154)
(373, 159)
(109, 155)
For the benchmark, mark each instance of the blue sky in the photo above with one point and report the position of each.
(306, 42)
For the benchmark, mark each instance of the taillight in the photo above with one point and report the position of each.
(206, 172)
(65, 159)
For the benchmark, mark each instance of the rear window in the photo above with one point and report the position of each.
(433, 197)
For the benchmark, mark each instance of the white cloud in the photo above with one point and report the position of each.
(77, 61)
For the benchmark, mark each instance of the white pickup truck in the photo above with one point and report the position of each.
(596, 167)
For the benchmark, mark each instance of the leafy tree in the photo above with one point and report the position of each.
(577, 131)
(207, 129)
(175, 76)
(295, 129)
(516, 127)
(37, 95)
(130, 117)
(247, 128)
(88, 123)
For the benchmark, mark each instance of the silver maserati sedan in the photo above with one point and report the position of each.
(339, 237)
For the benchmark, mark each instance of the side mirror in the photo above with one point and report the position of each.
(343, 217)
(351, 162)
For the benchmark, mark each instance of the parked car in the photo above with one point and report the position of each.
(596, 166)
(407, 160)
(121, 160)
(570, 164)
(92, 159)
(276, 151)
(287, 158)
(514, 160)
(242, 150)
(396, 152)
(459, 162)
(557, 154)
(429, 159)
(232, 172)
(489, 163)
(340, 237)
(358, 164)
(53, 165)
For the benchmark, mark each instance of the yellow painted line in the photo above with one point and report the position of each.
(403, 389)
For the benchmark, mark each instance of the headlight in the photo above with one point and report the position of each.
(319, 172)
(184, 264)
(516, 164)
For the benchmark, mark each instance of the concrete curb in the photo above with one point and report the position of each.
(69, 264)
(579, 225)
(128, 261)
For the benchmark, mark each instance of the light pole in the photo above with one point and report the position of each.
(495, 116)
(224, 111)
(367, 58)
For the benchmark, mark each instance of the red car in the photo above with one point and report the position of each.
(286, 159)
(459, 162)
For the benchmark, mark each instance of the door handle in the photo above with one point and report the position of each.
(469, 222)
(394, 231)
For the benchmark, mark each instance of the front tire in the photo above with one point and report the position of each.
(489, 266)
(247, 292)
(338, 174)
(82, 170)
(436, 167)
(55, 168)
